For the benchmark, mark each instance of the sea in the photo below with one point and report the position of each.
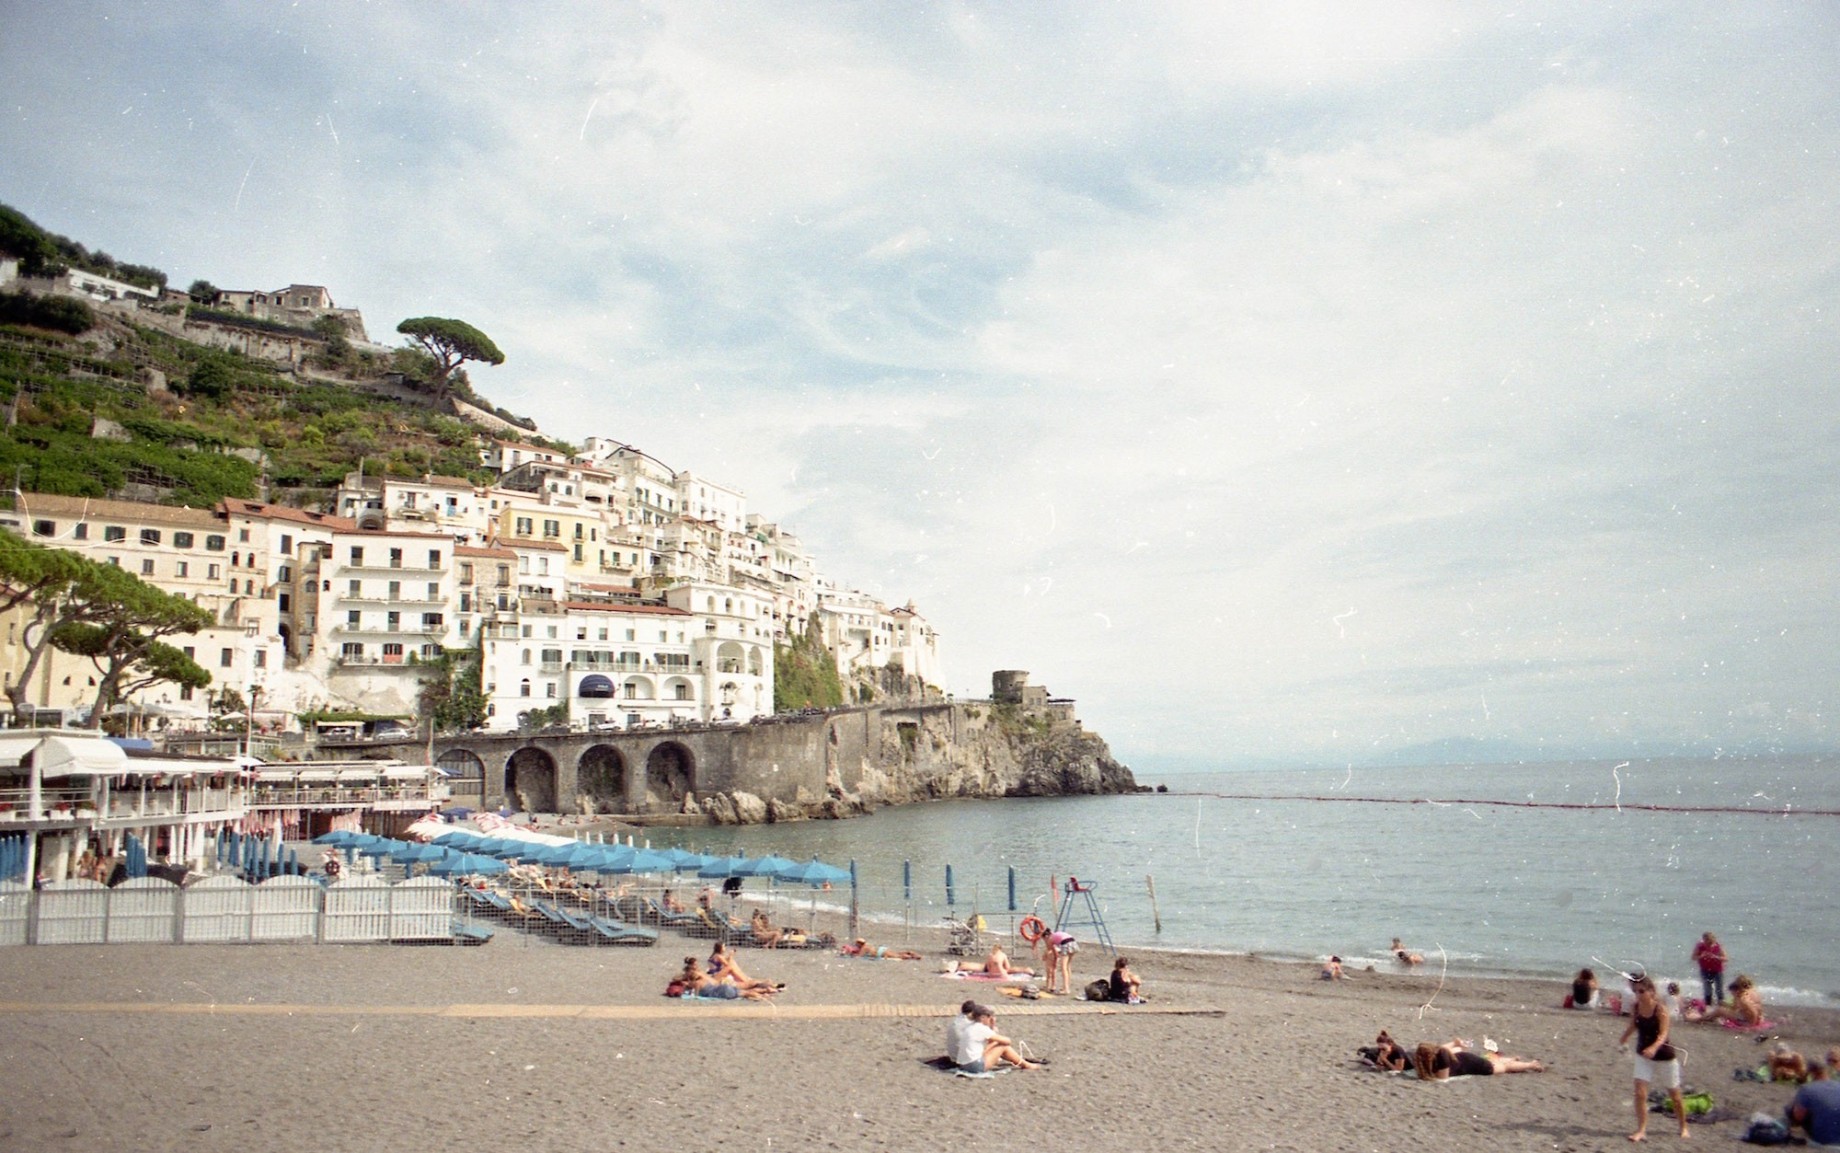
(1488, 870)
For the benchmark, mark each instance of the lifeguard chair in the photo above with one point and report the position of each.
(1080, 909)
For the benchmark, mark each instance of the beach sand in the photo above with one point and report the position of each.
(508, 1046)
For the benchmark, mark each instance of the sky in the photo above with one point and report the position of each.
(1285, 383)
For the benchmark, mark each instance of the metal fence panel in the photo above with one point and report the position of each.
(286, 909)
(73, 913)
(357, 909)
(15, 912)
(422, 910)
(217, 909)
(143, 909)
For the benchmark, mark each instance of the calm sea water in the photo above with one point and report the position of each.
(1306, 863)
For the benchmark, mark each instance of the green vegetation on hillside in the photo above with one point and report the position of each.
(805, 674)
(47, 254)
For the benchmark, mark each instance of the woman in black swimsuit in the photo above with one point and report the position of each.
(1655, 1058)
(1455, 1059)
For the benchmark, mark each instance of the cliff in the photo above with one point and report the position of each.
(895, 755)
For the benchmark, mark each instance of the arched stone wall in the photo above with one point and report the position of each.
(600, 775)
(530, 780)
(670, 775)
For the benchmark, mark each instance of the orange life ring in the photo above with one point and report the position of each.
(1032, 928)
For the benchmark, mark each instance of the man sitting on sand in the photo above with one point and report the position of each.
(996, 964)
(1744, 1011)
(979, 1048)
(1816, 1108)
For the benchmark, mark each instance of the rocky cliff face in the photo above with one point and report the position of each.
(902, 756)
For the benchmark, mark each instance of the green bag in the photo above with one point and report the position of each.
(1693, 1103)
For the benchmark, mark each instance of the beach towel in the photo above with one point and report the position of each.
(945, 1065)
(975, 975)
(1741, 1027)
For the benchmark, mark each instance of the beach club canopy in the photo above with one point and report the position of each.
(815, 872)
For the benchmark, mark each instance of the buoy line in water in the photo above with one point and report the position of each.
(1786, 811)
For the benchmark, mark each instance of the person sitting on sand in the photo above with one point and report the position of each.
(1786, 1064)
(1745, 1008)
(862, 948)
(979, 1048)
(697, 983)
(1454, 1058)
(1584, 990)
(1125, 984)
(996, 964)
(722, 967)
(763, 930)
(1406, 956)
(1332, 969)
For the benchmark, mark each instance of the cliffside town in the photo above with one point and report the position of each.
(600, 589)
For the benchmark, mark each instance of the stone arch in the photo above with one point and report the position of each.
(466, 775)
(601, 777)
(730, 657)
(756, 664)
(530, 780)
(670, 776)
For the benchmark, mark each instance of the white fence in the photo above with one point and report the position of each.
(288, 908)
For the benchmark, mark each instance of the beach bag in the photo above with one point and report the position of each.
(1766, 1130)
(674, 989)
(1100, 990)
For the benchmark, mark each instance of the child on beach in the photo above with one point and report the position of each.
(1332, 969)
(1406, 956)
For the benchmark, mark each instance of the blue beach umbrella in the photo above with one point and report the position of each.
(413, 852)
(685, 860)
(723, 867)
(815, 872)
(646, 861)
(335, 837)
(466, 864)
(384, 847)
(768, 866)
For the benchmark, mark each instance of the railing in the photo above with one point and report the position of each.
(225, 908)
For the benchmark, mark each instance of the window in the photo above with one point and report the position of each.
(287, 544)
(549, 689)
(150, 536)
(261, 658)
(523, 688)
(432, 622)
(214, 543)
(354, 588)
(392, 653)
(434, 590)
(524, 526)
(242, 535)
(434, 558)
(182, 570)
(396, 558)
(182, 540)
(353, 619)
(392, 621)
(283, 602)
(395, 590)
(683, 692)
(81, 532)
(225, 657)
(212, 572)
(44, 528)
(552, 528)
(466, 572)
(352, 650)
(114, 534)
(147, 566)
(357, 554)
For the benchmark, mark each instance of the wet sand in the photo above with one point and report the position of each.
(288, 1047)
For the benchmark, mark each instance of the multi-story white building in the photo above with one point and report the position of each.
(194, 553)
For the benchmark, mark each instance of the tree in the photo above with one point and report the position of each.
(101, 612)
(451, 343)
(202, 291)
(451, 696)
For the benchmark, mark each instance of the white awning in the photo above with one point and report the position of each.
(406, 772)
(14, 747)
(274, 774)
(348, 775)
(81, 757)
(319, 774)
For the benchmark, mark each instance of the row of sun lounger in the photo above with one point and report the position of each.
(566, 925)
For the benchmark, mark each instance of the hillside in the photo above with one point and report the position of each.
(128, 406)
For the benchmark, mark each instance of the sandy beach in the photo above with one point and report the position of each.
(530, 1047)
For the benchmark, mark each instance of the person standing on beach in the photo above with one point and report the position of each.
(1656, 1062)
(1709, 955)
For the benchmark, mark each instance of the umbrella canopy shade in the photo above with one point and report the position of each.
(384, 847)
(685, 860)
(458, 839)
(768, 866)
(466, 864)
(567, 856)
(414, 852)
(646, 861)
(508, 850)
(814, 872)
(723, 867)
(335, 837)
